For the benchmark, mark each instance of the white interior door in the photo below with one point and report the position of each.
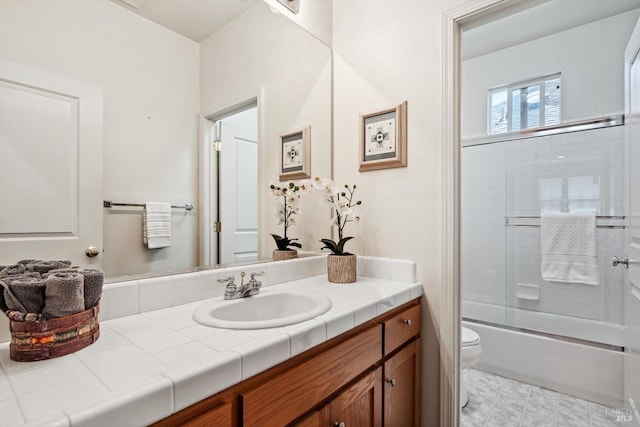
(50, 166)
(632, 288)
(239, 187)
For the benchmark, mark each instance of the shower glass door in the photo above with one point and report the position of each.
(577, 172)
(483, 234)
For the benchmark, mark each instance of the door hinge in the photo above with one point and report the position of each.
(217, 226)
(217, 145)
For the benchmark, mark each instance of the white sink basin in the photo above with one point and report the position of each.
(268, 309)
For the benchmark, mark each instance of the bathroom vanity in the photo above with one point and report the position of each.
(369, 376)
(154, 363)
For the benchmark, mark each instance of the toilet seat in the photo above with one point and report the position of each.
(469, 337)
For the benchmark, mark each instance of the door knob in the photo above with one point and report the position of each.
(624, 261)
(339, 424)
(391, 381)
(92, 251)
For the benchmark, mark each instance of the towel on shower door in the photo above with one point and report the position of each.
(156, 225)
(568, 244)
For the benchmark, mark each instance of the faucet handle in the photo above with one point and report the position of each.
(228, 279)
(257, 273)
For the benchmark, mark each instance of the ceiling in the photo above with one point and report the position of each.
(195, 19)
(530, 20)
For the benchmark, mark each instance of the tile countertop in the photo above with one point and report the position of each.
(147, 366)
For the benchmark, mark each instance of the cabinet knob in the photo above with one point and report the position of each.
(391, 381)
(339, 424)
(407, 322)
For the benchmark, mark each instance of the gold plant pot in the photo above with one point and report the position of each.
(341, 268)
(281, 255)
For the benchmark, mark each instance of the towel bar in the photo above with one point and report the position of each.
(602, 221)
(109, 204)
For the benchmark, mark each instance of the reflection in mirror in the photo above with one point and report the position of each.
(235, 195)
(264, 55)
(155, 86)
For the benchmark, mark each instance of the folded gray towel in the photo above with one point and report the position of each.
(46, 266)
(13, 270)
(3, 303)
(28, 261)
(64, 294)
(61, 270)
(29, 291)
(10, 301)
(93, 281)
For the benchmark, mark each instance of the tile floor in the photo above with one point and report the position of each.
(496, 401)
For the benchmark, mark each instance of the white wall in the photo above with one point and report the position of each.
(590, 58)
(263, 52)
(385, 52)
(315, 16)
(149, 76)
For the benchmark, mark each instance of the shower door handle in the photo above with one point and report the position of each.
(624, 261)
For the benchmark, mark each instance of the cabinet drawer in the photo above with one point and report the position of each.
(284, 398)
(401, 327)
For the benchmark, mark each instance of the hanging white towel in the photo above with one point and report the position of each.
(568, 243)
(156, 222)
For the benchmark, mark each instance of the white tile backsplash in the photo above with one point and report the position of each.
(186, 288)
(155, 293)
(119, 299)
(210, 286)
(148, 295)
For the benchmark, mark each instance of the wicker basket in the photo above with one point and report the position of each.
(46, 339)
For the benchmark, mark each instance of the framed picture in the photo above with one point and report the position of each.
(295, 159)
(383, 139)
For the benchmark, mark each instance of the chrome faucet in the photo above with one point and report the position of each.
(231, 291)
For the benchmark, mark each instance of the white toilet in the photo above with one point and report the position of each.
(469, 355)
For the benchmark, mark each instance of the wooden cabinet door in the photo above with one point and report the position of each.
(286, 397)
(360, 405)
(402, 387)
(319, 418)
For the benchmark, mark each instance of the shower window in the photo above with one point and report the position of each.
(524, 105)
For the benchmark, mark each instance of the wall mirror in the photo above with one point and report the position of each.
(156, 94)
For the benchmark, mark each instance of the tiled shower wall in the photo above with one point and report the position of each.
(570, 172)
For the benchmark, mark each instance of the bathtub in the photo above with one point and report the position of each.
(592, 371)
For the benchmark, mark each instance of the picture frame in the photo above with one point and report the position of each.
(383, 139)
(295, 154)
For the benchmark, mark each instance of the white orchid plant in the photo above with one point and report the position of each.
(342, 202)
(287, 196)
